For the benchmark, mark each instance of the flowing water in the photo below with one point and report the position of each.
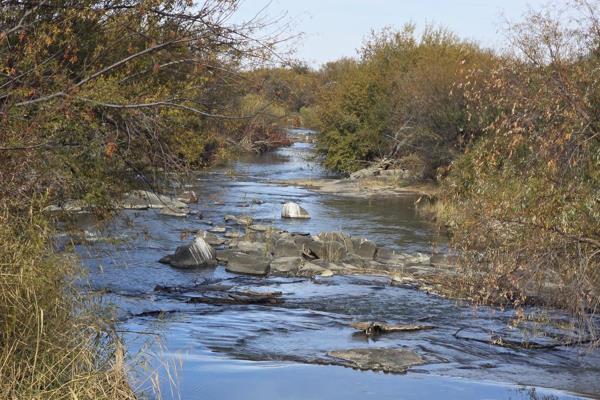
(250, 352)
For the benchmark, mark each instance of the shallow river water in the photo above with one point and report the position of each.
(251, 352)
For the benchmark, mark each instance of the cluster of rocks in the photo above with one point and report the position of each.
(262, 250)
(139, 200)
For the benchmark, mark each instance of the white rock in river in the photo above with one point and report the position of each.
(195, 254)
(293, 210)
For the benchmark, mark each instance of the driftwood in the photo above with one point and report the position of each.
(195, 288)
(377, 328)
(221, 294)
(238, 297)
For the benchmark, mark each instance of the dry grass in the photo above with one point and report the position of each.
(54, 341)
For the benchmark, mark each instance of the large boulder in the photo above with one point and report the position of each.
(286, 247)
(340, 237)
(364, 248)
(294, 211)
(257, 248)
(192, 255)
(286, 265)
(249, 264)
(330, 246)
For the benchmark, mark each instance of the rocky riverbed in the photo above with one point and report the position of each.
(312, 308)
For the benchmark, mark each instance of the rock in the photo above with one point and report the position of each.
(252, 247)
(218, 229)
(326, 274)
(242, 220)
(339, 237)
(224, 255)
(210, 238)
(374, 170)
(354, 260)
(443, 260)
(286, 247)
(294, 211)
(260, 228)
(418, 258)
(71, 206)
(302, 241)
(173, 212)
(310, 269)
(384, 253)
(232, 234)
(253, 236)
(142, 199)
(195, 254)
(364, 248)
(376, 328)
(378, 359)
(330, 251)
(250, 264)
(188, 197)
(285, 265)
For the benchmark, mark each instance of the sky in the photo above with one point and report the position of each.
(336, 28)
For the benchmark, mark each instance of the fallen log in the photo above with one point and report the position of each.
(371, 328)
(239, 297)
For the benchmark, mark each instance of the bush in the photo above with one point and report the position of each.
(404, 96)
(525, 197)
(55, 343)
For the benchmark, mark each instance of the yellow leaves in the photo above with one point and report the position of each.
(110, 149)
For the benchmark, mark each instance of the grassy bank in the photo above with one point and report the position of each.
(55, 341)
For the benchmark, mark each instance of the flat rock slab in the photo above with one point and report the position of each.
(375, 328)
(396, 361)
(248, 264)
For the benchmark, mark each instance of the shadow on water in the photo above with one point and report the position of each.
(256, 352)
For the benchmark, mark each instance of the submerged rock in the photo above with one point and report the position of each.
(174, 212)
(378, 359)
(195, 254)
(294, 211)
(218, 229)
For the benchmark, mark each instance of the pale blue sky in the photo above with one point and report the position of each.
(336, 28)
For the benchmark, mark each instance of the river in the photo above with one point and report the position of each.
(251, 352)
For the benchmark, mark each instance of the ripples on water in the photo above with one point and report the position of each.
(260, 352)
